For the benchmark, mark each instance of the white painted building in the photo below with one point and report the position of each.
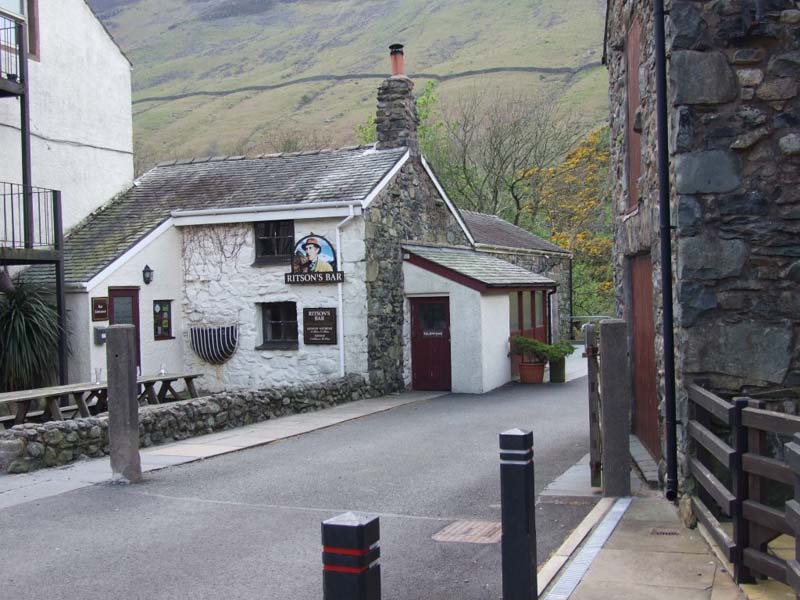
(80, 108)
(301, 268)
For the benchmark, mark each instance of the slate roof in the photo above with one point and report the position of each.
(492, 230)
(344, 175)
(482, 267)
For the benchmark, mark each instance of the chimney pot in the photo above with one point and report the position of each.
(397, 57)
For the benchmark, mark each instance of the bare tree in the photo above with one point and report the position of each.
(495, 149)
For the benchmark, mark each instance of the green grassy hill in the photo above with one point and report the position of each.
(221, 76)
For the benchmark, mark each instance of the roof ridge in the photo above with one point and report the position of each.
(225, 157)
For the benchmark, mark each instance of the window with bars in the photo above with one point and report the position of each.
(274, 242)
(279, 326)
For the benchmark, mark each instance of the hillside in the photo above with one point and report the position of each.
(243, 76)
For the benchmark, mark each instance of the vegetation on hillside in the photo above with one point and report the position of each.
(530, 165)
(328, 57)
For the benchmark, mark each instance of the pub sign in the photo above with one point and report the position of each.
(99, 309)
(314, 261)
(319, 326)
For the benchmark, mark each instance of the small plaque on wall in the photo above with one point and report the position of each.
(99, 309)
(319, 326)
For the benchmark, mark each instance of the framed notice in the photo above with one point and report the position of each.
(99, 309)
(319, 326)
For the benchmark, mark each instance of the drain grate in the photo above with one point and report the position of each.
(657, 531)
(470, 532)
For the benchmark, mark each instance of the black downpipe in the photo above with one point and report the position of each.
(571, 300)
(665, 231)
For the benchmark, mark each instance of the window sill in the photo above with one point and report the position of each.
(273, 261)
(278, 346)
(162, 338)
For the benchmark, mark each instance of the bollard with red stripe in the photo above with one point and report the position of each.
(350, 553)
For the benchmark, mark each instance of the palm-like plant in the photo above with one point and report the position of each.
(29, 334)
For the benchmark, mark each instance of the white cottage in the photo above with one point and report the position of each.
(304, 267)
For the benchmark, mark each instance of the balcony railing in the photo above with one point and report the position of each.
(38, 227)
(10, 49)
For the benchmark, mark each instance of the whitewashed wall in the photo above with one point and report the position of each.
(80, 107)
(495, 331)
(474, 370)
(163, 255)
(221, 287)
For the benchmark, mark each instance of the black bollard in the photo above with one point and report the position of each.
(519, 517)
(350, 553)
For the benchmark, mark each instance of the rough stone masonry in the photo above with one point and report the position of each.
(735, 159)
(31, 446)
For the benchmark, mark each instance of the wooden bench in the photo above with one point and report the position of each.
(79, 398)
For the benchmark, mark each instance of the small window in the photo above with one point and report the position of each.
(279, 326)
(539, 307)
(162, 319)
(274, 242)
(514, 310)
(33, 29)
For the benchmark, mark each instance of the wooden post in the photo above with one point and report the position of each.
(615, 383)
(123, 408)
(757, 444)
(792, 451)
(741, 529)
(595, 444)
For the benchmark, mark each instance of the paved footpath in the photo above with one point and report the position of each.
(245, 523)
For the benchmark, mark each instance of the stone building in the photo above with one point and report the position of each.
(734, 151)
(304, 267)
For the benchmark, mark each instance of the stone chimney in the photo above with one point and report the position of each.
(396, 119)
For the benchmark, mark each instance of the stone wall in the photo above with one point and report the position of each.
(409, 209)
(735, 153)
(24, 448)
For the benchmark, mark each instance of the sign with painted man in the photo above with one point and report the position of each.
(314, 261)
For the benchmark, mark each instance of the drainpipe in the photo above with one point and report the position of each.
(340, 316)
(665, 231)
(571, 300)
(550, 294)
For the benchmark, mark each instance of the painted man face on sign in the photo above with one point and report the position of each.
(313, 255)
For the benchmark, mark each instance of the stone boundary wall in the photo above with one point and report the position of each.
(32, 446)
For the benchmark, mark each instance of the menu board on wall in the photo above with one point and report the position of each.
(319, 326)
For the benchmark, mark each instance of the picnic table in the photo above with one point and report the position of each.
(79, 398)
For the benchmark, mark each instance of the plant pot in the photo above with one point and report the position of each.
(558, 370)
(531, 372)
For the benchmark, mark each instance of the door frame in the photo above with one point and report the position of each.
(133, 293)
(415, 302)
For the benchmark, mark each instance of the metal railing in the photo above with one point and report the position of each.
(38, 227)
(10, 50)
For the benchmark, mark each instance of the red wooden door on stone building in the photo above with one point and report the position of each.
(645, 405)
(430, 344)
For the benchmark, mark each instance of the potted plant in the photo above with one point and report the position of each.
(534, 358)
(558, 354)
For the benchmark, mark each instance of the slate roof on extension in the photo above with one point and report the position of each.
(343, 175)
(483, 268)
(492, 230)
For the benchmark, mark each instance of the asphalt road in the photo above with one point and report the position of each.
(247, 525)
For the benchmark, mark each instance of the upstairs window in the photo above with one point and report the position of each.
(33, 29)
(274, 242)
(633, 48)
(279, 326)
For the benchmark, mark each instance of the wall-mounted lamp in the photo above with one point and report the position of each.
(147, 275)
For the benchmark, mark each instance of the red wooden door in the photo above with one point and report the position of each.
(123, 309)
(430, 344)
(645, 406)
(528, 311)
